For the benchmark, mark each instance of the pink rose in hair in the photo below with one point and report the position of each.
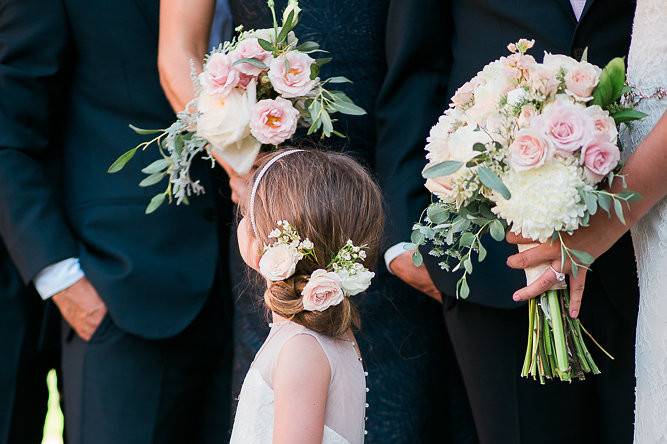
(273, 121)
(219, 75)
(599, 158)
(323, 290)
(529, 150)
(290, 74)
(249, 49)
(567, 126)
(581, 80)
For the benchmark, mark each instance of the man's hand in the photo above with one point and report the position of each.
(416, 277)
(81, 307)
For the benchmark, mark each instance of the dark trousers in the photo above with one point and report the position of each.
(25, 359)
(490, 345)
(121, 388)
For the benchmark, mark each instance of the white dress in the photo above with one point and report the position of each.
(647, 71)
(345, 415)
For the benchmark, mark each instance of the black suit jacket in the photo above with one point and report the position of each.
(433, 47)
(73, 75)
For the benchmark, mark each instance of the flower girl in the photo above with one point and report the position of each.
(311, 223)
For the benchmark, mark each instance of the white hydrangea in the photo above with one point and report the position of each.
(544, 200)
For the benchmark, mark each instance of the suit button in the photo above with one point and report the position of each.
(577, 53)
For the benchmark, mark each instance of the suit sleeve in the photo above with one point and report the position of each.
(411, 99)
(33, 44)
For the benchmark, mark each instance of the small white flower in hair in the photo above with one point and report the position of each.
(357, 281)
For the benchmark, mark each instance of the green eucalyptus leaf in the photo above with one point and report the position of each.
(436, 214)
(605, 203)
(151, 180)
(308, 46)
(417, 259)
(314, 71)
(417, 237)
(467, 264)
(618, 209)
(327, 125)
(442, 169)
(155, 203)
(479, 147)
(339, 79)
(156, 166)
(144, 132)
(481, 253)
(251, 61)
(497, 230)
(582, 257)
(491, 180)
(348, 108)
(323, 61)
(591, 203)
(122, 160)
(463, 289)
(466, 239)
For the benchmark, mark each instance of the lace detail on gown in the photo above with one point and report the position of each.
(647, 71)
(345, 410)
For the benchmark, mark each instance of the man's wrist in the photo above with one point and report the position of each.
(58, 277)
(394, 252)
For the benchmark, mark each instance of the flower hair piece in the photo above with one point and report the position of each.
(344, 276)
(280, 258)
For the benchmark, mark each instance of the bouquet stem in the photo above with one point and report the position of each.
(555, 346)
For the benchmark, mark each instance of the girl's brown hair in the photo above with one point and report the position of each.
(328, 198)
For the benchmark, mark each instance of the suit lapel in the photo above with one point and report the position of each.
(587, 8)
(567, 7)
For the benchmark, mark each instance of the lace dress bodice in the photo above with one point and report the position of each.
(647, 74)
(346, 400)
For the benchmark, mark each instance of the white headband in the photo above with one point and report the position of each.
(261, 174)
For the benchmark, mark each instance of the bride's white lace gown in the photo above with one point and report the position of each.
(647, 71)
(346, 403)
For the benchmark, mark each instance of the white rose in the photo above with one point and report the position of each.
(279, 262)
(355, 283)
(224, 121)
(494, 84)
(556, 62)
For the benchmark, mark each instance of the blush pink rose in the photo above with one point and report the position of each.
(568, 127)
(526, 116)
(581, 80)
(599, 158)
(219, 75)
(464, 94)
(249, 49)
(529, 150)
(603, 123)
(323, 290)
(290, 74)
(273, 121)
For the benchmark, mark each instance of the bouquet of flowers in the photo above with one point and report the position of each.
(254, 91)
(526, 146)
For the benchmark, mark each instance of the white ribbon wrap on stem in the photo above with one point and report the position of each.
(533, 273)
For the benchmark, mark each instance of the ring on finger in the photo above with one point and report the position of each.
(560, 277)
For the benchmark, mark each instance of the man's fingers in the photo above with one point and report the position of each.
(533, 257)
(513, 238)
(541, 285)
(577, 286)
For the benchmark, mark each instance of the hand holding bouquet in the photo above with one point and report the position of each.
(527, 146)
(254, 91)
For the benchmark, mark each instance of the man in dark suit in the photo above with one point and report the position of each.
(433, 47)
(145, 341)
(27, 356)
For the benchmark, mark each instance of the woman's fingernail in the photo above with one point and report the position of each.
(516, 297)
(574, 313)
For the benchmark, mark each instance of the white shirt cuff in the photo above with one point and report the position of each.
(57, 277)
(394, 252)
